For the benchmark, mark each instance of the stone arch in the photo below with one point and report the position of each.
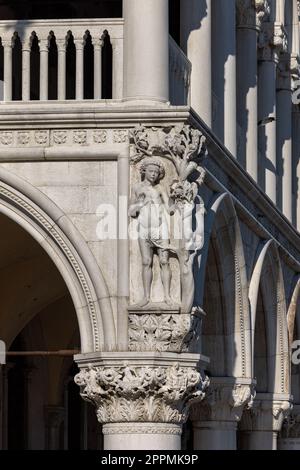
(223, 242)
(292, 317)
(267, 293)
(52, 229)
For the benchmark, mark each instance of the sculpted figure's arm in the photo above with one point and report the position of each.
(136, 203)
(168, 202)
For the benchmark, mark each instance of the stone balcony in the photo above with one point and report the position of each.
(73, 60)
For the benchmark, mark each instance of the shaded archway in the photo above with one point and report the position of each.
(49, 226)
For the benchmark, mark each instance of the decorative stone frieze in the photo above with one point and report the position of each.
(272, 41)
(266, 414)
(225, 400)
(165, 330)
(129, 392)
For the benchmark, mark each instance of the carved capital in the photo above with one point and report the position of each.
(225, 400)
(252, 13)
(142, 393)
(165, 331)
(284, 73)
(291, 425)
(267, 413)
(272, 41)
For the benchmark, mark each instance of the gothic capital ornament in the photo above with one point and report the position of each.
(272, 41)
(291, 425)
(131, 393)
(266, 414)
(224, 401)
(252, 13)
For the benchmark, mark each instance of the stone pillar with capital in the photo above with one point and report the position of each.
(215, 419)
(142, 400)
(261, 425)
(272, 42)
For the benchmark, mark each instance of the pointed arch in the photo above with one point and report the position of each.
(223, 241)
(267, 286)
(54, 231)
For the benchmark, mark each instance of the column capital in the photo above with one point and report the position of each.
(61, 44)
(267, 413)
(252, 13)
(44, 44)
(225, 400)
(295, 69)
(98, 43)
(284, 73)
(272, 41)
(291, 425)
(54, 415)
(141, 390)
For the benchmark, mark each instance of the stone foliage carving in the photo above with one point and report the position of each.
(291, 426)
(141, 394)
(185, 148)
(252, 13)
(266, 415)
(272, 41)
(224, 402)
(173, 332)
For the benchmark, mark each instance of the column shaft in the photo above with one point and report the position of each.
(215, 435)
(117, 89)
(146, 50)
(79, 70)
(144, 436)
(267, 126)
(247, 104)
(44, 71)
(224, 72)
(196, 42)
(98, 70)
(284, 149)
(61, 70)
(7, 71)
(25, 72)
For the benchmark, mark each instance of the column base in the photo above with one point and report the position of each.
(142, 436)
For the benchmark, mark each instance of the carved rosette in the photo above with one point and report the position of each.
(272, 41)
(172, 332)
(224, 401)
(252, 13)
(266, 415)
(138, 394)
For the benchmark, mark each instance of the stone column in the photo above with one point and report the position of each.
(26, 49)
(289, 438)
(61, 68)
(79, 44)
(117, 74)
(44, 52)
(284, 136)
(272, 41)
(260, 425)
(196, 43)
(215, 419)
(224, 71)
(54, 416)
(250, 16)
(141, 399)
(7, 46)
(98, 44)
(146, 50)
